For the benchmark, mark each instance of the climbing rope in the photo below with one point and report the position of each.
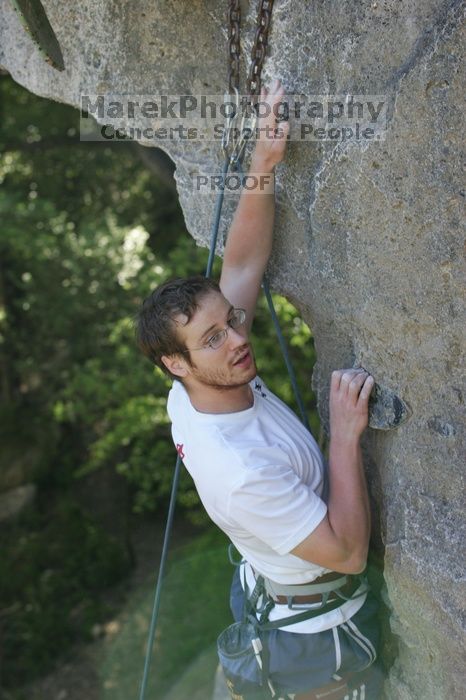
(234, 151)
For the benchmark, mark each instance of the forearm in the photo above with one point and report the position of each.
(340, 542)
(348, 506)
(249, 241)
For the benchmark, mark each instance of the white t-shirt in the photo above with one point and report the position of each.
(259, 475)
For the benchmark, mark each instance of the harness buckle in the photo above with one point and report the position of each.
(292, 606)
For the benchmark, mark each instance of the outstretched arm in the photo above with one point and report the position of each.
(249, 241)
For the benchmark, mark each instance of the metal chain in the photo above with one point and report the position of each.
(234, 23)
(259, 48)
(239, 126)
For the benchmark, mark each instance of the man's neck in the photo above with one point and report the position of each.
(209, 399)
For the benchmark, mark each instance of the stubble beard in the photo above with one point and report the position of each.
(217, 379)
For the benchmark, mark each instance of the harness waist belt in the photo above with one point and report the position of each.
(329, 586)
(260, 602)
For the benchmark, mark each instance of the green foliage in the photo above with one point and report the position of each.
(195, 609)
(43, 159)
(52, 572)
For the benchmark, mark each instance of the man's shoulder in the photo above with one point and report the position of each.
(177, 389)
(177, 399)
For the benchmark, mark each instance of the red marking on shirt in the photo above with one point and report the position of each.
(179, 449)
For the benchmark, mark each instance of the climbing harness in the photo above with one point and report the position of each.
(264, 596)
(243, 647)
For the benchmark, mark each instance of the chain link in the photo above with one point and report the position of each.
(259, 49)
(234, 23)
(239, 127)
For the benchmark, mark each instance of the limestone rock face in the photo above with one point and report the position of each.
(368, 243)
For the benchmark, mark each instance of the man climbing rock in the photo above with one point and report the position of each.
(308, 620)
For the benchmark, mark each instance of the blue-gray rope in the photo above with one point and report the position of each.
(176, 476)
(216, 222)
(158, 588)
(285, 353)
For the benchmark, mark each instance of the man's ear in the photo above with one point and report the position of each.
(176, 365)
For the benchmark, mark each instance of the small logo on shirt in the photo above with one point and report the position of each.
(258, 387)
(179, 449)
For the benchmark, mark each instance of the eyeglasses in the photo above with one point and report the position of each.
(237, 318)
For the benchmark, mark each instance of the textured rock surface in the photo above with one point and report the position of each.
(368, 244)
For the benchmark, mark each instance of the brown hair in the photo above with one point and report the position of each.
(155, 324)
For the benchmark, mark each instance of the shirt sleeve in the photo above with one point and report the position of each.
(273, 504)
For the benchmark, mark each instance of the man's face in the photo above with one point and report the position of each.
(230, 365)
